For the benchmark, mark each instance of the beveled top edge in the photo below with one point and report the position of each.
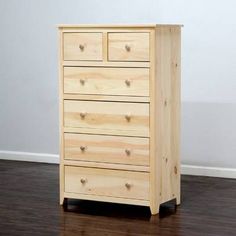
(115, 25)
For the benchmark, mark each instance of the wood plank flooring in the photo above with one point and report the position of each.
(29, 206)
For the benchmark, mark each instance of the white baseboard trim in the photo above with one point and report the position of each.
(208, 171)
(54, 158)
(29, 156)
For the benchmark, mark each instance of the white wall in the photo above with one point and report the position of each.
(29, 78)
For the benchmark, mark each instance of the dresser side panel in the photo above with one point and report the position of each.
(176, 109)
(168, 111)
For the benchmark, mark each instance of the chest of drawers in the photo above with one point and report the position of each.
(120, 113)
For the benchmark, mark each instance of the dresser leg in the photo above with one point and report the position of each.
(177, 200)
(154, 210)
(62, 200)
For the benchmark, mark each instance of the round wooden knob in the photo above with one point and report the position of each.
(128, 117)
(82, 148)
(127, 82)
(128, 185)
(128, 152)
(81, 47)
(83, 180)
(83, 114)
(82, 81)
(128, 48)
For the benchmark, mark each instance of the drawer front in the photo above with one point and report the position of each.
(83, 46)
(112, 117)
(104, 148)
(105, 182)
(128, 46)
(107, 81)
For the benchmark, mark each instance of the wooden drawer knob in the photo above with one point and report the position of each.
(82, 81)
(81, 47)
(127, 48)
(128, 185)
(128, 117)
(83, 114)
(83, 180)
(128, 152)
(82, 148)
(127, 82)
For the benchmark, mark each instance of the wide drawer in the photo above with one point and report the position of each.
(104, 148)
(128, 47)
(110, 117)
(105, 182)
(107, 81)
(82, 46)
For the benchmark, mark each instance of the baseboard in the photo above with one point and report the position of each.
(29, 156)
(185, 169)
(208, 171)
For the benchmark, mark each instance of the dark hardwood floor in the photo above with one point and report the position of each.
(29, 206)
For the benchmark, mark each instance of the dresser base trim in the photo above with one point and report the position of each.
(106, 199)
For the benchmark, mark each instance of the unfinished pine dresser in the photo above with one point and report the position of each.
(120, 113)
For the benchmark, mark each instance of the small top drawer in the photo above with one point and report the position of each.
(82, 46)
(128, 46)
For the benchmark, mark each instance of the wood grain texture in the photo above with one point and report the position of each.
(128, 47)
(106, 81)
(168, 108)
(165, 104)
(176, 111)
(109, 149)
(111, 116)
(98, 102)
(104, 182)
(83, 46)
(104, 46)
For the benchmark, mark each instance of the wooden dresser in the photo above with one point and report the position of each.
(120, 113)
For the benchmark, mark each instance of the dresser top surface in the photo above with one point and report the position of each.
(116, 25)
